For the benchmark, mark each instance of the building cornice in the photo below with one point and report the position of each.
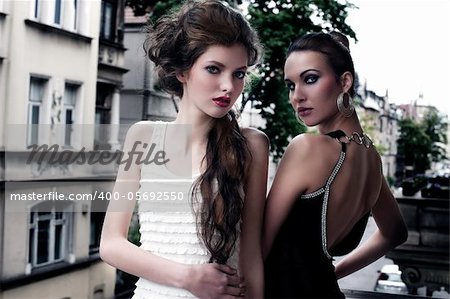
(3, 14)
(108, 43)
(106, 177)
(357, 294)
(114, 68)
(135, 27)
(56, 30)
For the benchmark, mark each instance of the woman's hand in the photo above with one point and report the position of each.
(211, 281)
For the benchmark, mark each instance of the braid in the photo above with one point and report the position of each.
(227, 157)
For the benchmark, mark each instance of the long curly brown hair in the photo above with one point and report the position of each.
(174, 43)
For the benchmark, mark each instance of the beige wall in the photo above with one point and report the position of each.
(2, 102)
(73, 285)
(4, 38)
(16, 230)
(34, 52)
(15, 250)
(448, 142)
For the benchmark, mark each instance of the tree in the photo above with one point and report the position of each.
(140, 7)
(414, 146)
(158, 8)
(435, 127)
(278, 22)
(368, 125)
(421, 143)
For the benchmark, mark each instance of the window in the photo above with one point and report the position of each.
(108, 20)
(75, 16)
(68, 14)
(48, 234)
(35, 99)
(95, 231)
(36, 9)
(62, 13)
(103, 114)
(68, 113)
(97, 215)
(58, 12)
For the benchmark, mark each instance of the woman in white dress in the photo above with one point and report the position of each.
(201, 193)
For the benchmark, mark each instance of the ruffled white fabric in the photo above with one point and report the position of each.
(169, 227)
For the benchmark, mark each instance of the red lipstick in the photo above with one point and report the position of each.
(222, 101)
(302, 111)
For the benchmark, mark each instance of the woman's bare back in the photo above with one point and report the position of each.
(355, 188)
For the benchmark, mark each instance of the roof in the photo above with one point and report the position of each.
(130, 18)
(370, 103)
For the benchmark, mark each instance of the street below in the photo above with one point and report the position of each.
(364, 279)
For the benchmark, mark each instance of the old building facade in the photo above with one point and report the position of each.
(61, 69)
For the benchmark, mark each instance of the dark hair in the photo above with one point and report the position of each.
(174, 43)
(334, 46)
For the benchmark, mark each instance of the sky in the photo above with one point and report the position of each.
(404, 47)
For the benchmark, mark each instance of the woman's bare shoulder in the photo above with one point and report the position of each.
(312, 144)
(142, 130)
(255, 137)
(314, 156)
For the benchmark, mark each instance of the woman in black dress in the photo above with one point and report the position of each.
(327, 184)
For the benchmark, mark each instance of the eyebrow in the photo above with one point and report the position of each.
(222, 65)
(302, 73)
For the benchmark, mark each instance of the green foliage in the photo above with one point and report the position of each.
(390, 180)
(279, 22)
(368, 125)
(134, 236)
(156, 7)
(435, 127)
(414, 145)
(140, 7)
(281, 123)
(420, 143)
(164, 7)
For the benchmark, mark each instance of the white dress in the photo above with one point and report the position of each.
(168, 224)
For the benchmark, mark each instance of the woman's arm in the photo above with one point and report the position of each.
(251, 263)
(391, 232)
(115, 249)
(207, 280)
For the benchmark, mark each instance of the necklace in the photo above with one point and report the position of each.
(360, 139)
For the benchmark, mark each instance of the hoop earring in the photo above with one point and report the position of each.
(345, 104)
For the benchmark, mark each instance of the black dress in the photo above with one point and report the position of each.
(299, 264)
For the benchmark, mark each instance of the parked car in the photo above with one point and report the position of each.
(438, 187)
(390, 281)
(411, 185)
